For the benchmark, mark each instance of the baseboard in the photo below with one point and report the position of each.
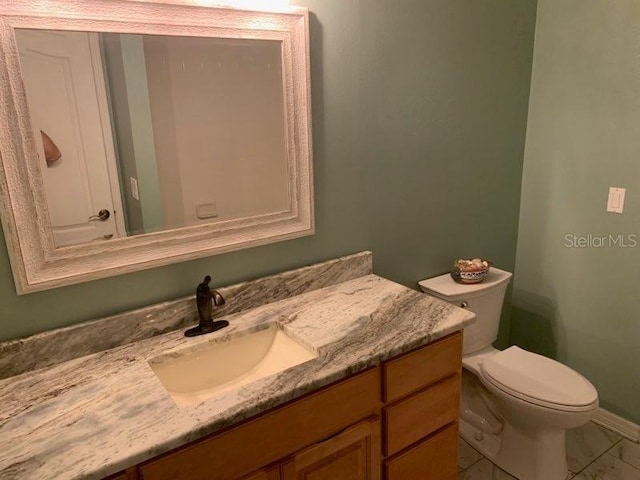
(617, 424)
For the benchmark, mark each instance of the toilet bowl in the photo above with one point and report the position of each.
(516, 405)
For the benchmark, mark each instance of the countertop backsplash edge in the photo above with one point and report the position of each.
(62, 344)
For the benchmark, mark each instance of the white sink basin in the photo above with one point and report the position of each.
(196, 374)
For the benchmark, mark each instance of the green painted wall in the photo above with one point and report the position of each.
(135, 74)
(580, 304)
(419, 114)
(120, 114)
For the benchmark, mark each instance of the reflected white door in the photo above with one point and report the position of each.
(67, 100)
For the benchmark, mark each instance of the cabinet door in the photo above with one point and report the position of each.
(353, 454)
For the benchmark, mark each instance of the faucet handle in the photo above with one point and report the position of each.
(218, 299)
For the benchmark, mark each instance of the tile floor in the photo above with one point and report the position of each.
(593, 453)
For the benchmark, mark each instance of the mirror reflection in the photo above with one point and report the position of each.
(142, 133)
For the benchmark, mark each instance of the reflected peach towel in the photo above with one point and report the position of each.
(51, 151)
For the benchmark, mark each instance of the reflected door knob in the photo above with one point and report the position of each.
(103, 215)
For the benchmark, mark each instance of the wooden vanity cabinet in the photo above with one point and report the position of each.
(397, 421)
(270, 473)
(130, 473)
(117, 476)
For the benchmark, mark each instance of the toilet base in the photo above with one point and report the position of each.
(487, 444)
(526, 458)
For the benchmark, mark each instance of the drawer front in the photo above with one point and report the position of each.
(418, 369)
(273, 435)
(433, 459)
(416, 417)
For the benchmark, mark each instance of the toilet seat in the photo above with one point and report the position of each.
(539, 380)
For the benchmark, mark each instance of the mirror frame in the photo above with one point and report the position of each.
(36, 262)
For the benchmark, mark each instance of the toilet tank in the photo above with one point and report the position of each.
(484, 299)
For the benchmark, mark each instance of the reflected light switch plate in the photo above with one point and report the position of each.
(134, 188)
(615, 203)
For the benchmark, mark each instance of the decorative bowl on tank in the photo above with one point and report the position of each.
(470, 271)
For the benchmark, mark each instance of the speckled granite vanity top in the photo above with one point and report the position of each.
(95, 415)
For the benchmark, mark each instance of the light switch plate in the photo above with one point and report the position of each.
(134, 188)
(615, 204)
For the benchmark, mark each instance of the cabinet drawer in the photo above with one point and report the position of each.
(420, 368)
(433, 459)
(416, 417)
(272, 436)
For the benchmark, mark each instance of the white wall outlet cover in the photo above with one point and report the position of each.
(615, 203)
(206, 210)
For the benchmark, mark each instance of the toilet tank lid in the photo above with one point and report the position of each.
(446, 288)
(539, 379)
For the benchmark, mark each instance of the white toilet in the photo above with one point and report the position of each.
(516, 405)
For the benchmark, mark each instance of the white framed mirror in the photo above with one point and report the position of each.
(138, 134)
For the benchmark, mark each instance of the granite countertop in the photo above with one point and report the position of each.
(101, 413)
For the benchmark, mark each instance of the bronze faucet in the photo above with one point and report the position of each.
(206, 300)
